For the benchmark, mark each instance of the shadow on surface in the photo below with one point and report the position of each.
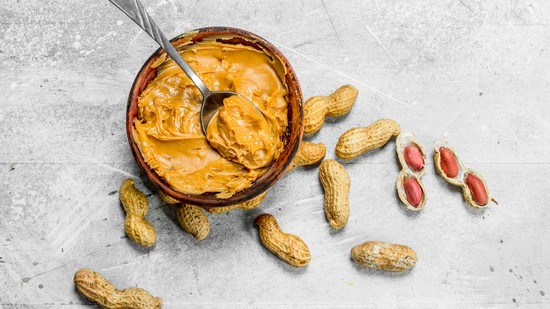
(377, 272)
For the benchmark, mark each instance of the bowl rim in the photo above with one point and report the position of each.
(268, 179)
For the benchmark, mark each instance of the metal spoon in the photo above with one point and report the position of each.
(211, 100)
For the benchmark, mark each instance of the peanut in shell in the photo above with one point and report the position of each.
(356, 141)
(480, 185)
(167, 198)
(136, 207)
(308, 154)
(384, 256)
(450, 157)
(341, 101)
(408, 192)
(97, 289)
(193, 220)
(336, 104)
(315, 110)
(336, 184)
(288, 247)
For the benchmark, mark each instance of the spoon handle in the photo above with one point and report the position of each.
(135, 10)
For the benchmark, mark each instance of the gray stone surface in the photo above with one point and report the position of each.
(472, 72)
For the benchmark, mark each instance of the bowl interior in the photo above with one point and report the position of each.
(291, 139)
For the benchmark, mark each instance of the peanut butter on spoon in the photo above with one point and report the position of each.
(241, 134)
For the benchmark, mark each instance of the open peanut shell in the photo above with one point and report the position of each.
(467, 191)
(451, 168)
(412, 158)
(443, 152)
(408, 140)
(408, 197)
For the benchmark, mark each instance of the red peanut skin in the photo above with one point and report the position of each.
(448, 162)
(477, 189)
(413, 157)
(413, 191)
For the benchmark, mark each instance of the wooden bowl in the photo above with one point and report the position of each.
(291, 139)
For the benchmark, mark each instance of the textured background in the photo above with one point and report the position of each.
(473, 72)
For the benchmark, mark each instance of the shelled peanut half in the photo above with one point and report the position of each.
(451, 168)
(412, 158)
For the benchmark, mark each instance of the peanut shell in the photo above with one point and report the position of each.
(288, 247)
(356, 141)
(342, 100)
(460, 178)
(336, 184)
(193, 220)
(97, 289)
(136, 207)
(468, 194)
(167, 198)
(308, 154)
(403, 175)
(403, 140)
(336, 104)
(384, 256)
(315, 109)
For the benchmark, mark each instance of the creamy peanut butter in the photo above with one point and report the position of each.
(241, 134)
(168, 129)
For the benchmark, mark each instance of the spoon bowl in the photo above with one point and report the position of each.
(213, 101)
(210, 106)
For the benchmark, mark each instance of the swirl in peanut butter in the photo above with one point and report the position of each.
(168, 128)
